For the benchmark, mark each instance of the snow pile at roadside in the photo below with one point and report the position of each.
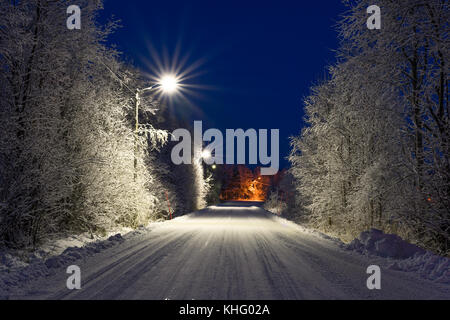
(428, 265)
(11, 260)
(58, 245)
(17, 268)
(402, 255)
(384, 245)
(14, 271)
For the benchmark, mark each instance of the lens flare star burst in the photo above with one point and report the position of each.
(169, 83)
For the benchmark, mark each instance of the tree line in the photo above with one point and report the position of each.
(375, 151)
(70, 160)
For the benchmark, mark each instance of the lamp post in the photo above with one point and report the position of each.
(168, 84)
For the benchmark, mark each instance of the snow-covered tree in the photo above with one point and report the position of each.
(70, 159)
(375, 153)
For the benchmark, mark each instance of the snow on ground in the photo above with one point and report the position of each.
(399, 254)
(13, 259)
(384, 245)
(229, 251)
(402, 255)
(20, 267)
(57, 246)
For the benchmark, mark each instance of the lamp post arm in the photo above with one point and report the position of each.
(148, 88)
(138, 102)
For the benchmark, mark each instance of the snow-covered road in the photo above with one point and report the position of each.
(230, 251)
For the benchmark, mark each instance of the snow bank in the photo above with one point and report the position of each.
(384, 245)
(402, 255)
(57, 246)
(428, 265)
(17, 268)
(14, 271)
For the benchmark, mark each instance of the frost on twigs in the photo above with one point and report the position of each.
(70, 160)
(376, 149)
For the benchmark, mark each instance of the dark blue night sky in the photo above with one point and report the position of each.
(256, 59)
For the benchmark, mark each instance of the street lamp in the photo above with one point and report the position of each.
(167, 84)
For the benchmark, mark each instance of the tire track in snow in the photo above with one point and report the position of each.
(230, 253)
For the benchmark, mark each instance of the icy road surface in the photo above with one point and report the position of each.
(231, 251)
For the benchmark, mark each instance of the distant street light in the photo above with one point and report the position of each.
(206, 154)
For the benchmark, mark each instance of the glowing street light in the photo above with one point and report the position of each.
(169, 85)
